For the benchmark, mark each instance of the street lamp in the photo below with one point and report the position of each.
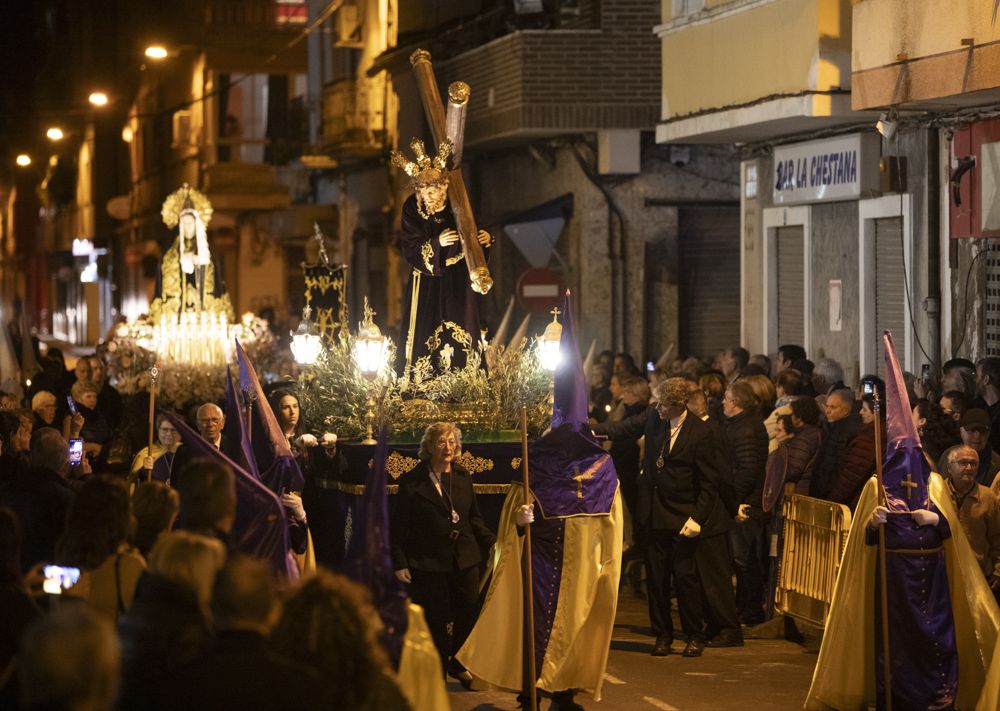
(370, 350)
(306, 340)
(55, 134)
(23, 160)
(156, 52)
(98, 98)
(548, 344)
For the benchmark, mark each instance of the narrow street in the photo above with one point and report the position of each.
(766, 673)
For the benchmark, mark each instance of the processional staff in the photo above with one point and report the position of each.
(154, 372)
(528, 599)
(883, 586)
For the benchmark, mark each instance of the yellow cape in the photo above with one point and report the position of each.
(578, 647)
(844, 678)
(420, 677)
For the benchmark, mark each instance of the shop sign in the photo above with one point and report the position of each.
(841, 168)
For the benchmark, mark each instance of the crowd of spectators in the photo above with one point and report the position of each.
(164, 613)
(120, 590)
(786, 425)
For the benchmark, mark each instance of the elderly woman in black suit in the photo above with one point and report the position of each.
(439, 540)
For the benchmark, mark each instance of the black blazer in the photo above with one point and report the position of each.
(421, 528)
(688, 485)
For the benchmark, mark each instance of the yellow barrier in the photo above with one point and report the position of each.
(815, 534)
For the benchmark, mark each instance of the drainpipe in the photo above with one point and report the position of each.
(932, 304)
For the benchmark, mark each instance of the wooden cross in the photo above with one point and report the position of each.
(579, 479)
(909, 484)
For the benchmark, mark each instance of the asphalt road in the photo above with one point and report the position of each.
(770, 674)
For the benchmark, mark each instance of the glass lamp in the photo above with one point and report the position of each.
(548, 344)
(370, 351)
(306, 340)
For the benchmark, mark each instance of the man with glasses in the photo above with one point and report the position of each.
(977, 509)
(685, 523)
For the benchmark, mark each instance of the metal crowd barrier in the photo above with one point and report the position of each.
(815, 534)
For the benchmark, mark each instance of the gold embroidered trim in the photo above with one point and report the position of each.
(454, 260)
(475, 465)
(459, 334)
(427, 252)
(391, 489)
(515, 463)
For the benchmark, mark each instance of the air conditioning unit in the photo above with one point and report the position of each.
(181, 136)
(349, 22)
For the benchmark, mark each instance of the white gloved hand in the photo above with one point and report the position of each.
(691, 529)
(525, 515)
(329, 439)
(307, 440)
(743, 514)
(879, 516)
(293, 502)
(923, 517)
(403, 575)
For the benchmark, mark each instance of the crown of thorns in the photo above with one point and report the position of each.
(423, 161)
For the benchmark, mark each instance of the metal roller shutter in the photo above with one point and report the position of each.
(991, 317)
(709, 280)
(790, 247)
(890, 294)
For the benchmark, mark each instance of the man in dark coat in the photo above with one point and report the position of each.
(842, 425)
(41, 497)
(746, 445)
(239, 670)
(684, 519)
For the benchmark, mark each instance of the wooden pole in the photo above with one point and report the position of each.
(153, 373)
(883, 587)
(528, 598)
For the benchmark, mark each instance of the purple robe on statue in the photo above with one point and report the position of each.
(439, 290)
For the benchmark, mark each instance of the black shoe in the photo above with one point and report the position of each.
(457, 671)
(563, 701)
(694, 648)
(661, 647)
(522, 701)
(726, 638)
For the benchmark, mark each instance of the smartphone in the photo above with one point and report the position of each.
(868, 387)
(925, 372)
(59, 578)
(650, 366)
(75, 450)
(71, 403)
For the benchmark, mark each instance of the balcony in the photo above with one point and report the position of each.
(741, 71)
(353, 118)
(935, 55)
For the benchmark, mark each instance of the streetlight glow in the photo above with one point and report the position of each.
(157, 52)
(23, 160)
(128, 134)
(98, 98)
(55, 134)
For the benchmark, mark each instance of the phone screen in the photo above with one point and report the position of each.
(925, 371)
(59, 578)
(71, 404)
(869, 388)
(75, 450)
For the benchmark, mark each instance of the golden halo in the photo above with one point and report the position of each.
(174, 203)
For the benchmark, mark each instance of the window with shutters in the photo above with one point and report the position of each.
(790, 248)
(890, 291)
